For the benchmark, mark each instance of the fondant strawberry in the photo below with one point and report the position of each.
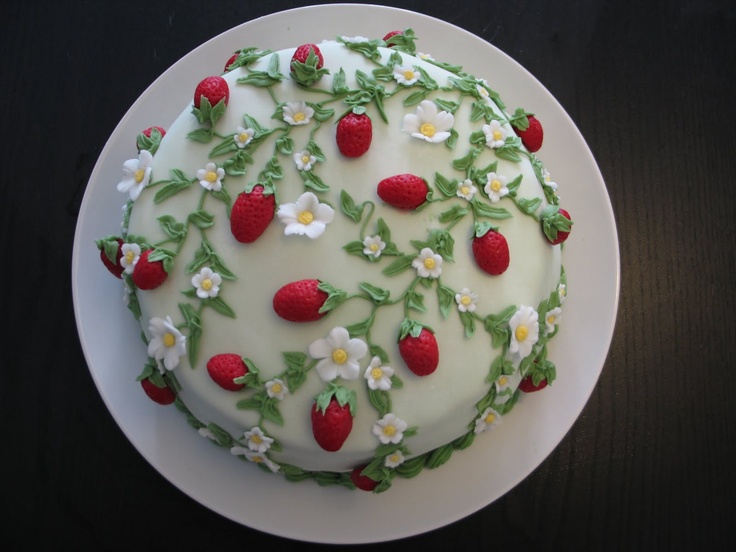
(307, 65)
(491, 252)
(418, 347)
(533, 136)
(147, 132)
(388, 36)
(527, 385)
(362, 482)
(302, 53)
(403, 191)
(161, 395)
(214, 88)
(332, 417)
(556, 224)
(251, 214)
(112, 247)
(148, 274)
(230, 61)
(300, 301)
(354, 134)
(223, 368)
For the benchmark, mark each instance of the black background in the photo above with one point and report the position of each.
(650, 462)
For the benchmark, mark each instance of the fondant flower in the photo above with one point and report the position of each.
(428, 264)
(496, 187)
(502, 383)
(424, 56)
(552, 319)
(298, 113)
(211, 177)
(482, 91)
(276, 389)
(524, 328)
(167, 344)
(495, 134)
(466, 300)
(257, 457)
(243, 136)
(338, 355)
(547, 178)
(306, 217)
(378, 376)
(207, 283)
(354, 39)
(405, 74)
(257, 440)
(466, 189)
(373, 246)
(394, 459)
(389, 429)
(136, 174)
(205, 432)
(562, 293)
(488, 420)
(304, 160)
(428, 123)
(131, 254)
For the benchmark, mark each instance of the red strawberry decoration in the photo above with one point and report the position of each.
(362, 482)
(215, 89)
(112, 248)
(332, 417)
(147, 132)
(300, 301)
(527, 385)
(223, 368)
(403, 191)
(149, 274)
(354, 134)
(230, 61)
(389, 35)
(533, 136)
(418, 347)
(491, 251)
(556, 224)
(301, 54)
(251, 214)
(307, 64)
(161, 395)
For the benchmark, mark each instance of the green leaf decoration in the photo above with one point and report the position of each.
(468, 321)
(378, 295)
(455, 213)
(335, 297)
(497, 326)
(446, 187)
(194, 325)
(482, 209)
(350, 208)
(399, 265)
(307, 72)
(446, 299)
(176, 231)
(415, 301)
(220, 306)
(201, 219)
(381, 401)
(149, 143)
(362, 327)
(529, 206)
(339, 86)
(439, 456)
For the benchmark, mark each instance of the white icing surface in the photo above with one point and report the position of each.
(442, 405)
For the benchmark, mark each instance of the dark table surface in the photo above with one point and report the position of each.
(649, 464)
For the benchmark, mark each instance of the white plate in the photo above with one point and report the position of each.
(473, 478)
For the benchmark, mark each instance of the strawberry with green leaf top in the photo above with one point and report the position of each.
(111, 251)
(223, 368)
(251, 214)
(307, 65)
(332, 417)
(214, 89)
(306, 300)
(530, 130)
(403, 191)
(161, 395)
(354, 133)
(361, 481)
(556, 224)
(490, 250)
(418, 347)
(149, 273)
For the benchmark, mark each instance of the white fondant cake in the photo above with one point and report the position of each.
(403, 262)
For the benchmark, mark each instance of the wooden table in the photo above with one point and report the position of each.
(649, 463)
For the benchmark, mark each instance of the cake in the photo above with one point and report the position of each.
(345, 259)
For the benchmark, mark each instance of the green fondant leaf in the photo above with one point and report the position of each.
(399, 265)
(378, 295)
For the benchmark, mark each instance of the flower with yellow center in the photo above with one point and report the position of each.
(552, 319)
(495, 134)
(394, 459)
(524, 328)
(243, 136)
(405, 74)
(276, 389)
(429, 124)
(496, 187)
(257, 440)
(489, 419)
(466, 189)
(338, 355)
(373, 246)
(466, 300)
(389, 429)
(502, 383)
(297, 113)
(254, 456)
(304, 160)
(210, 177)
(167, 345)
(562, 293)
(307, 216)
(207, 283)
(136, 174)
(131, 253)
(378, 376)
(428, 264)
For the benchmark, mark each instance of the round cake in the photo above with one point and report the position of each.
(345, 258)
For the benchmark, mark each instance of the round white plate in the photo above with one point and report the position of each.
(473, 478)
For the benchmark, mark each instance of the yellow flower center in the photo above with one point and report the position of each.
(389, 430)
(427, 129)
(276, 388)
(490, 418)
(394, 458)
(210, 176)
(497, 135)
(429, 263)
(139, 174)
(305, 159)
(376, 373)
(305, 217)
(466, 300)
(521, 332)
(465, 190)
(373, 247)
(339, 356)
(244, 137)
(206, 284)
(256, 439)
(496, 185)
(503, 380)
(257, 459)
(408, 74)
(169, 339)
(299, 117)
(129, 257)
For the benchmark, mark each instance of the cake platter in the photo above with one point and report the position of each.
(473, 478)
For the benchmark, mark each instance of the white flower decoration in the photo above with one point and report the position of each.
(552, 319)
(495, 134)
(405, 74)
(131, 254)
(429, 124)
(136, 174)
(503, 383)
(211, 177)
(428, 264)
(354, 39)
(257, 457)
(298, 113)
(205, 432)
(394, 459)
(488, 420)
(304, 160)
(167, 343)
(373, 246)
(482, 91)
(524, 327)
(496, 187)
(339, 355)
(243, 136)
(306, 217)
(466, 300)
(257, 440)
(207, 283)
(562, 293)
(378, 376)
(276, 389)
(547, 177)
(389, 429)
(466, 189)
(425, 57)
